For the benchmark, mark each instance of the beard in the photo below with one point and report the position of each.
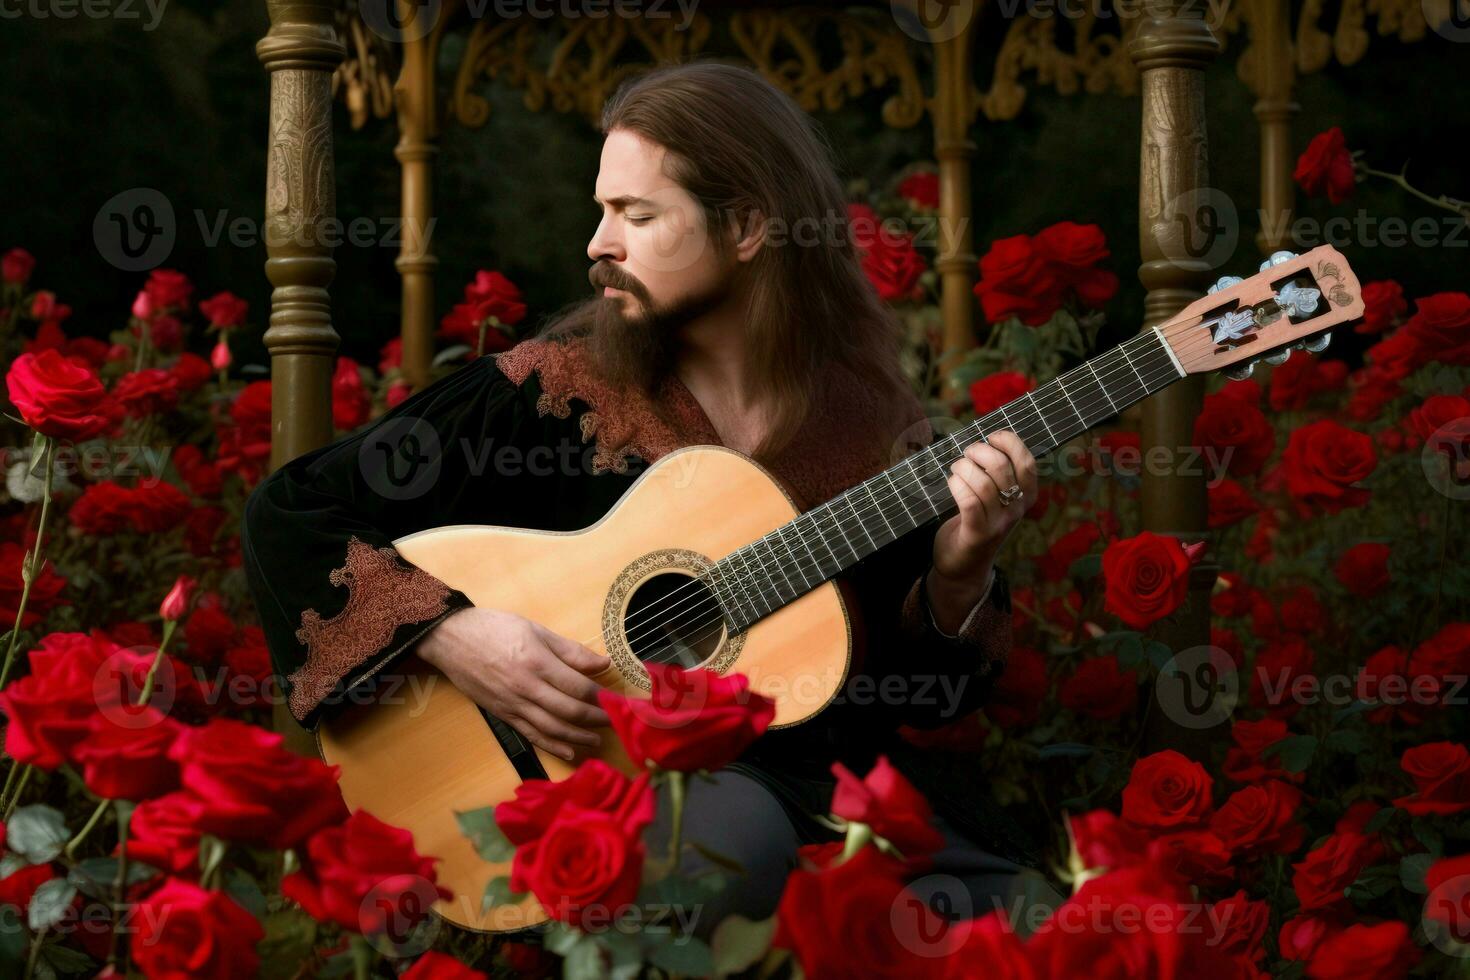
(640, 348)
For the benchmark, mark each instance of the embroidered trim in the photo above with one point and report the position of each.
(815, 466)
(382, 595)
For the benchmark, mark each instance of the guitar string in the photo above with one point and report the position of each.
(863, 518)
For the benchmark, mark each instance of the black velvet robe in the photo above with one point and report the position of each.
(532, 439)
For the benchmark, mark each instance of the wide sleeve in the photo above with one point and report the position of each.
(336, 601)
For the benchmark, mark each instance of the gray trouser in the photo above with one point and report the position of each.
(737, 817)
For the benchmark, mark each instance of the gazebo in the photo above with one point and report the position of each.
(385, 61)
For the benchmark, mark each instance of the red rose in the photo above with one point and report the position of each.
(1055, 564)
(58, 397)
(1282, 676)
(1101, 841)
(497, 296)
(192, 372)
(1101, 689)
(1400, 690)
(1230, 503)
(1440, 327)
(51, 709)
(1441, 773)
(440, 966)
(224, 310)
(164, 833)
(168, 288)
(692, 719)
(998, 389)
(1016, 279)
(1300, 937)
(1437, 412)
(1246, 762)
(187, 933)
(151, 391)
(1321, 463)
(1448, 905)
(1134, 922)
(1236, 431)
(128, 759)
(245, 446)
(1363, 568)
(16, 265)
(1244, 923)
(1396, 356)
(593, 786)
(255, 789)
(1147, 577)
(585, 866)
(350, 401)
(1073, 251)
(1166, 791)
(1261, 819)
(209, 633)
(921, 190)
(1015, 699)
(1446, 654)
(1321, 878)
(201, 529)
(45, 592)
(1195, 856)
(1326, 167)
(1363, 952)
(1383, 306)
(19, 887)
(889, 803)
(893, 267)
(157, 507)
(870, 926)
(103, 508)
(365, 876)
(1302, 376)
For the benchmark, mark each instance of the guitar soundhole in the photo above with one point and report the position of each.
(673, 618)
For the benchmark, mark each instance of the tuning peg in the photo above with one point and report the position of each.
(1276, 258)
(1279, 357)
(1317, 343)
(1241, 371)
(1224, 282)
(1297, 300)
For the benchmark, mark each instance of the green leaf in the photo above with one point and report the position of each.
(1374, 882)
(716, 858)
(1295, 752)
(1356, 708)
(12, 942)
(560, 938)
(95, 876)
(739, 943)
(684, 954)
(338, 966)
(1426, 833)
(1086, 567)
(50, 904)
(1158, 654)
(38, 832)
(480, 827)
(1379, 820)
(1348, 741)
(1412, 870)
(67, 960)
(243, 888)
(497, 892)
(289, 936)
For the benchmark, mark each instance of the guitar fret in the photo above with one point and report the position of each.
(1103, 387)
(879, 506)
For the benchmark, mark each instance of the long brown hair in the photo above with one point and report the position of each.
(739, 145)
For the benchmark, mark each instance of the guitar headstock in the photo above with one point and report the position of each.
(1293, 301)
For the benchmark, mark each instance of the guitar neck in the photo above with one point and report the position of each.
(768, 573)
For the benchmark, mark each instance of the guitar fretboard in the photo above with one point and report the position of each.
(768, 573)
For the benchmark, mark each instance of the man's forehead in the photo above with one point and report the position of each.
(631, 169)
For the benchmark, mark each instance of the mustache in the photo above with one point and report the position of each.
(604, 273)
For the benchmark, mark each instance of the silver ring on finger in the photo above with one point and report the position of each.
(1013, 492)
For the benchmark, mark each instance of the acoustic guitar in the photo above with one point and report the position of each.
(706, 561)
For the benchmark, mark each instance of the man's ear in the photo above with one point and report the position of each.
(750, 234)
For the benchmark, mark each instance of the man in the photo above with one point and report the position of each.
(729, 309)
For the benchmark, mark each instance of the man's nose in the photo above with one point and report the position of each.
(605, 244)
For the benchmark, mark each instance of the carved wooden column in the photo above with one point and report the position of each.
(1269, 68)
(953, 108)
(301, 51)
(1171, 49)
(414, 94)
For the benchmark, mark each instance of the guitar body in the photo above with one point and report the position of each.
(417, 758)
